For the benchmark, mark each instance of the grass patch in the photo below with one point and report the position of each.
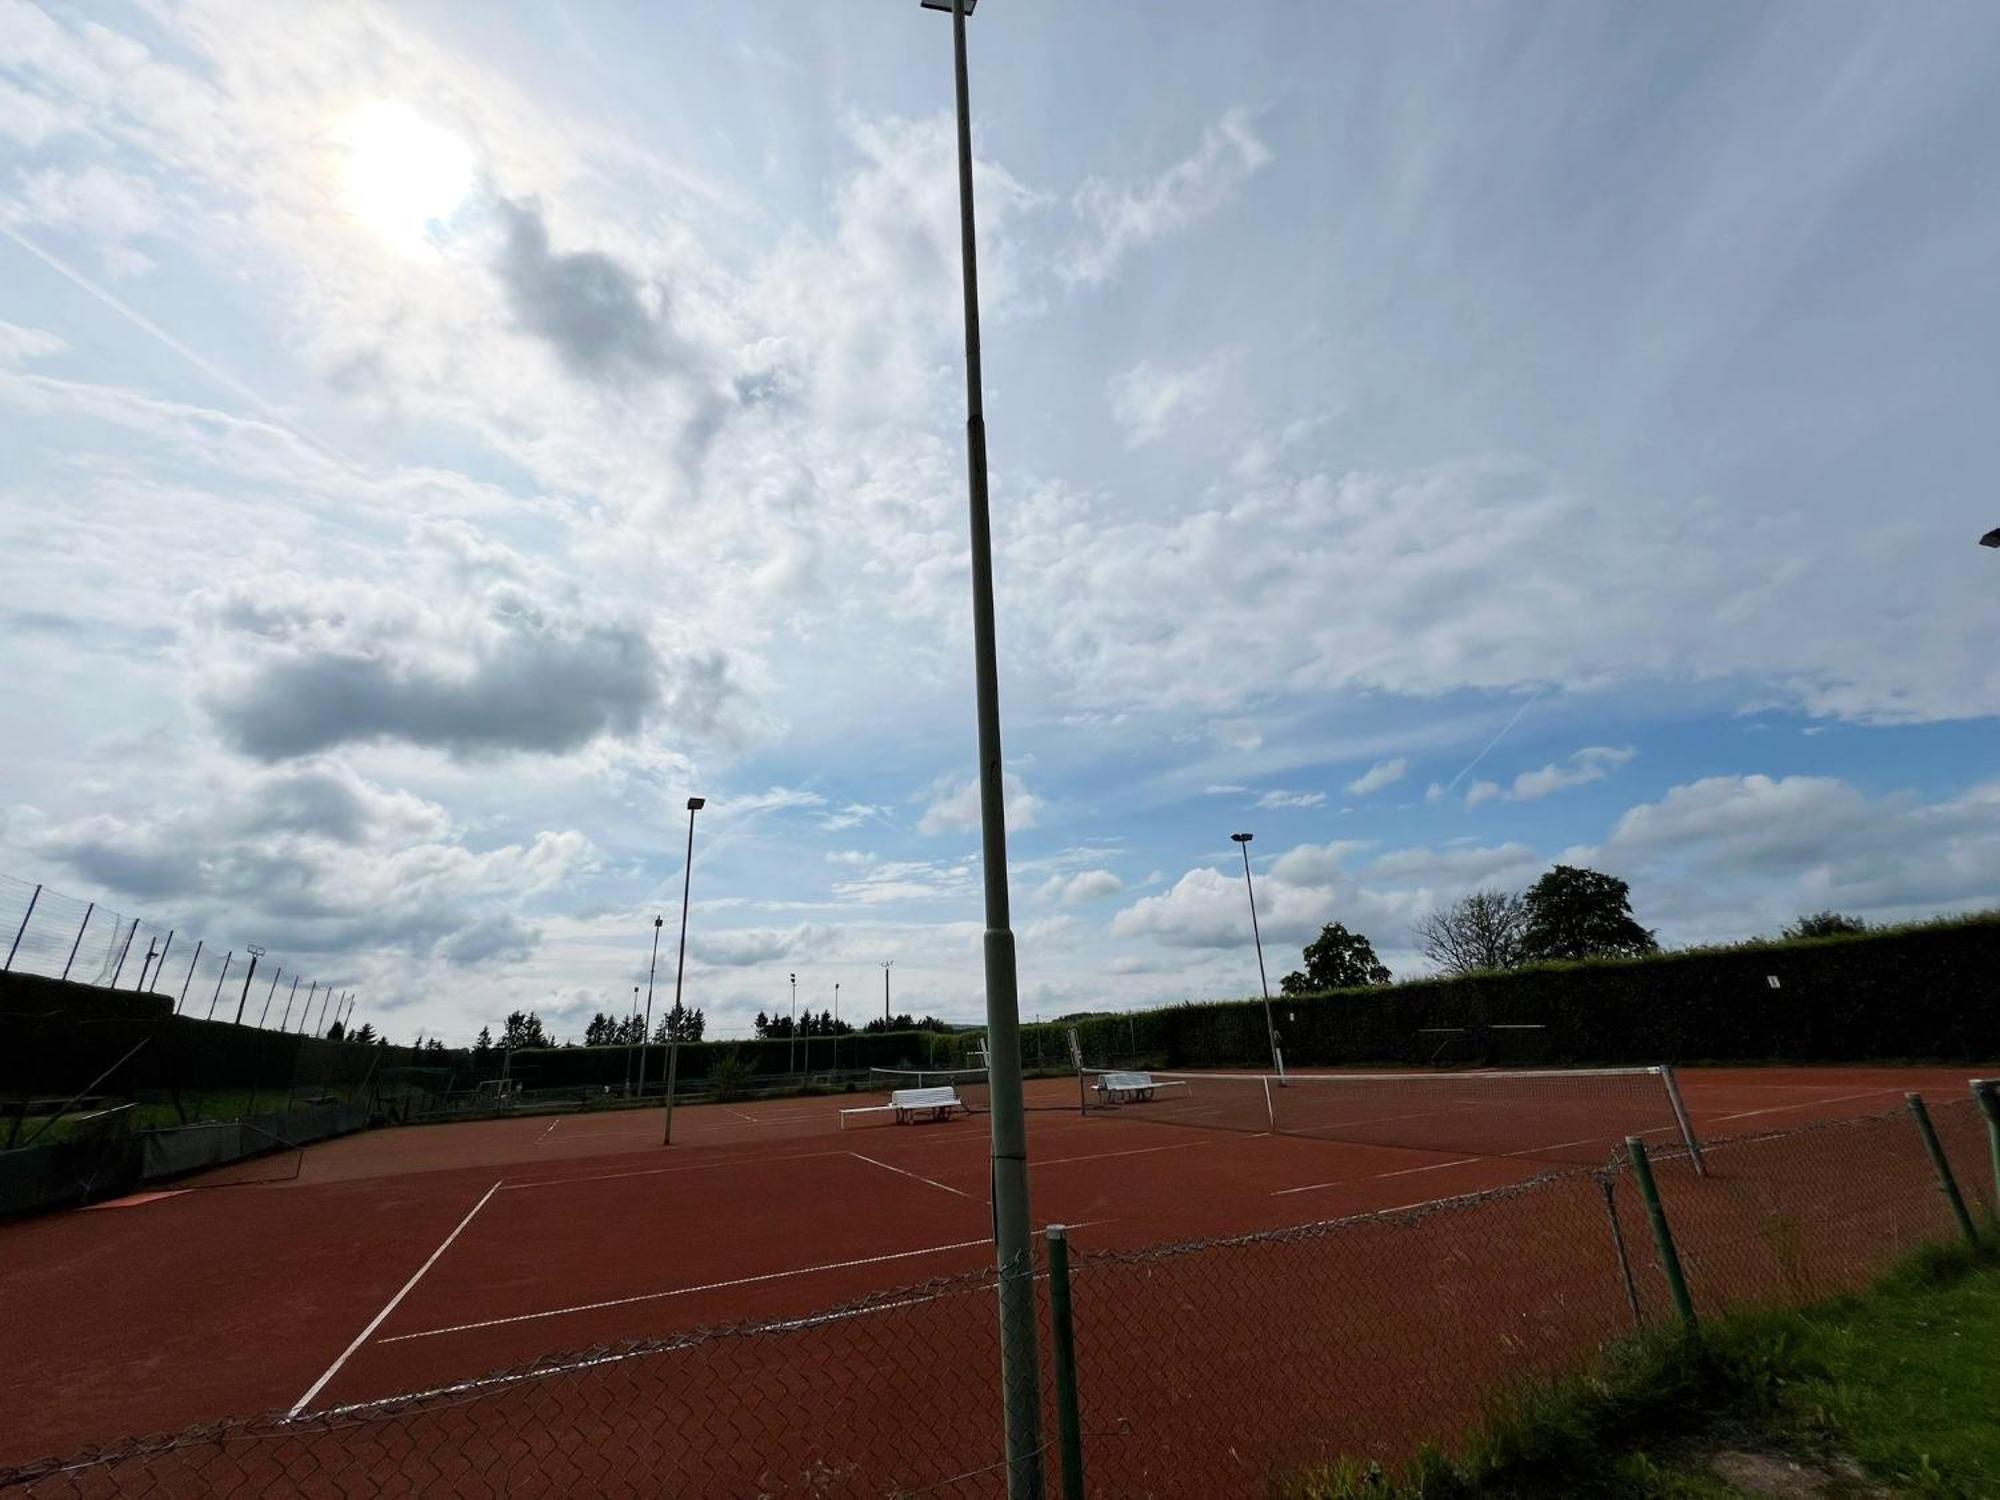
(1892, 1391)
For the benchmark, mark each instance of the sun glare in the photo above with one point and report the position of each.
(404, 175)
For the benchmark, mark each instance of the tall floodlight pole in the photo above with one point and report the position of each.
(244, 998)
(679, 1016)
(886, 964)
(1242, 840)
(792, 1052)
(628, 1051)
(1020, 1375)
(646, 1027)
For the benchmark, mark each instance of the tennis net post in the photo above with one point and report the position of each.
(1681, 1118)
(1941, 1164)
(1987, 1092)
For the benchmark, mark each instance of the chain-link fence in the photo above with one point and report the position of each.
(55, 936)
(1201, 1369)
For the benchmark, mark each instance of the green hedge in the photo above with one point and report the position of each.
(1922, 992)
(57, 1038)
(586, 1067)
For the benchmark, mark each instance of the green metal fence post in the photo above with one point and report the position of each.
(1987, 1092)
(1663, 1236)
(1947, 1184)
(1068, 1415)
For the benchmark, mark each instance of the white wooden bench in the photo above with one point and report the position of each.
(1126, 1088)
(939, 1103)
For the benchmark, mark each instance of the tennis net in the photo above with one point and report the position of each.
(1567, 1115)
(974, 1088)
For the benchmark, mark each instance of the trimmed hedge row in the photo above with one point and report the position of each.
(588, 1067)
(1913, 993)
(57, 1038)
(1920, 992)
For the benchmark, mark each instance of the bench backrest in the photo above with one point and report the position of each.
(933, 1098)
(1126, 1080)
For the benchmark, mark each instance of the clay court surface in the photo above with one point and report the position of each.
(401, 1260)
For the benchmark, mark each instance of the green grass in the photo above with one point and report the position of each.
(1895, 1388)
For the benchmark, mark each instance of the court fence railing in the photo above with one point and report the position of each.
(47, 933)
(1201, 1368)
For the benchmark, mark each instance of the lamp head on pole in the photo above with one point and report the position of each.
(659, 921)
(1241, 838)
(1991, 539)
(945, 5)
(696, 804)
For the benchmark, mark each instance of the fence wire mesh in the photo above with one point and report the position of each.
(1204, 1368)
(56, 936)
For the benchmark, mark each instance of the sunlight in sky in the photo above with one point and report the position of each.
(404, 175)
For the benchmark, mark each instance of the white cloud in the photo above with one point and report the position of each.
(1481, 791)
(1592, 763)
(1120, 218)
(18, 344)
(954, 805)
(1382, 773)
(1149, 399)
(1281, 798)
(1084, 886)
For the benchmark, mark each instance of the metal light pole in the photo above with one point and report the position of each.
(886, 964)
(265, 1015)
(250, 974)
(634, 1015)
(1020, 1375)
(679, 1016)
(646, 1029)
(1242, 840)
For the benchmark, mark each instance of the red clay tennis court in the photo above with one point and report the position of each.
(407, 1260)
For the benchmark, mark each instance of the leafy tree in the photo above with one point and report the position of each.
(483, 1047)
(1576, 913)
(601, 1031)
(1825, 924)
(524, 1029)
(434, 1045)
(1336, 960)
(679, 1025)
(1476, 933)
(904, 1022)
(335, 1032)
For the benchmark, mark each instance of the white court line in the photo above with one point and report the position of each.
(694, 1166)
(685, 1291)
(1062, 1161)
(376, 1322)
(929, 1182)
(1437, 1166)
(1778, 1109)
(591, 1362)
(550, 1131)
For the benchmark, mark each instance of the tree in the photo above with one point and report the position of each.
(1575, 913)
(335, 1032)
(1476, 933)
(524, 1029)
(1336, 960)
(601, 1031)
(365, 1035)
(1825, 924)
(483, 1047)
(679, 1025)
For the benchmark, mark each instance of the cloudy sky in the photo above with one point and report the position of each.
(440, 438)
